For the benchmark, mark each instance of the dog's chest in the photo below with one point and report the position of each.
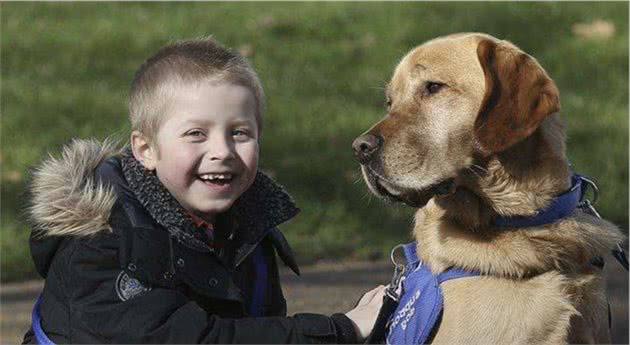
(421, 301)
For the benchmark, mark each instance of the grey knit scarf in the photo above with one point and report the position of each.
(263, 206)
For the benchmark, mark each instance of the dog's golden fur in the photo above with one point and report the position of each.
(492, 130)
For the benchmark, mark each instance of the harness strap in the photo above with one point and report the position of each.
(260, 283)
(40, 336)
(411, 312)
(620, 255)
(410, 253)
(454, 273)
(562, 206)
(559, 207)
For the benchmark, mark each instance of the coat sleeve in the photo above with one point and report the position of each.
(163, 315)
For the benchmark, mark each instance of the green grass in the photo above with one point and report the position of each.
(66, 68)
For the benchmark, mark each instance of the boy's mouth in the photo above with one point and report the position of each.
(216, 179)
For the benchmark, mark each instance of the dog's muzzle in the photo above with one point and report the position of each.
(411, 197)
(366, 147)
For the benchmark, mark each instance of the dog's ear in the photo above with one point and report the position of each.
(519, 95)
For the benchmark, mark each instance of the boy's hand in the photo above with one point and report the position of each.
(364, 314)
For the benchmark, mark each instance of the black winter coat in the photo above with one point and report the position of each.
(123, 264)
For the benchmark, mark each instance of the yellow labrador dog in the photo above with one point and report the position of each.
(472, 134)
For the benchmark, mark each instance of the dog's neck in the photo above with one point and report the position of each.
(515, 182)
(456, 230)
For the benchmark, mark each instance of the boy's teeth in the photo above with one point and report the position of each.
(216, 176)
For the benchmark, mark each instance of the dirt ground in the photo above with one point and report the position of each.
(323, 288)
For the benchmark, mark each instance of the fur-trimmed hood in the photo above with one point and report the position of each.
(68, 198)
(73, 196)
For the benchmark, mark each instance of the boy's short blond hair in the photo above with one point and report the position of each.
(182, 64)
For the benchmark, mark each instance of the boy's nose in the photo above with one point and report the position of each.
(220, 149)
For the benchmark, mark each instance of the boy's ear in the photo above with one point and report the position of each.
(142, 150)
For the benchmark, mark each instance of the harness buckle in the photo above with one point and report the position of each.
(589, 183)
(394, 289)
(585, 204)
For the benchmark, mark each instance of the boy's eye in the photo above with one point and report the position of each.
(240, 133)
(195, 133)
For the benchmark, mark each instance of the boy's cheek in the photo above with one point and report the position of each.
(250, 158)
(248, 181)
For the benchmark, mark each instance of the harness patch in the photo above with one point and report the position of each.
(128, 287)
(406, 312)
(421, 300)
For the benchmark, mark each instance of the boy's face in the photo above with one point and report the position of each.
(208, 147)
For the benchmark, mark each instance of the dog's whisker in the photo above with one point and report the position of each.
(365, 195)
(480, 168)
(376, 88)
(369, 198)
(474, 172)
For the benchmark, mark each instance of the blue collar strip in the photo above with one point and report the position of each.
(260, 282)
(40, 336)
(561, 206)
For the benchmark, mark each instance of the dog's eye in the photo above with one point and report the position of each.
(388, 102)
(434, 87)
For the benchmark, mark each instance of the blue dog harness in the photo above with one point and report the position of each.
(413, 300)
(562, 206)
(421, 300)
(559, 207)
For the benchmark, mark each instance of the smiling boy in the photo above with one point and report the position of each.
(173, 239)
(206, 151)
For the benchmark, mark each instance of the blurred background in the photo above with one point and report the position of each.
(66, 68)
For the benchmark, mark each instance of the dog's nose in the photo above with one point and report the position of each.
(365, 146)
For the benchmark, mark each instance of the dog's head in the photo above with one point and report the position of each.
(449, 101)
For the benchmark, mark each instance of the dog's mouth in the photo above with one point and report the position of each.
(416, 198)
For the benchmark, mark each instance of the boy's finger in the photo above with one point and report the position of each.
(366, 298)
(378, 296)
(361, 300)
(370, 295)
